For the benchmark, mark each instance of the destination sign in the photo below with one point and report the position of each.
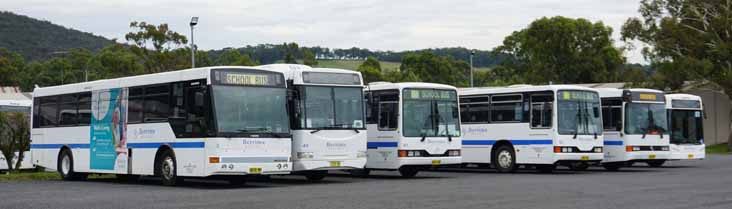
(430, 94)
(685, 103)
(579, 95)
(331, 78)
(247, 78)
(648, 97)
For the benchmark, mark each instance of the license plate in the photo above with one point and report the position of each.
(436, 162)
(255, 170)
(691, 156)
(585, 158)
(651, 156)
(335, 163)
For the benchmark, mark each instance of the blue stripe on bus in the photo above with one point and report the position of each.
(130, 145)
(374, 145)
(613, 143)
(513, 141)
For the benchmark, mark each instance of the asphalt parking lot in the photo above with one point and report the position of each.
(684, 185)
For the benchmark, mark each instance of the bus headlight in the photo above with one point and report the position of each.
(453, 152)
(597, 149)
(305, 155)
(664, 148)
(410, 153)
(361, 154)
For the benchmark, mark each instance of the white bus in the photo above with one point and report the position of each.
(686, 122)
(16, 106)
(411, 126)
(326, 118)
(540, 126)
(214, 121)
(635, 123)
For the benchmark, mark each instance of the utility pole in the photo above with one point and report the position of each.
(194, 22)
(472, 52)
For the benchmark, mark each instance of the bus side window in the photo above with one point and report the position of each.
(541, 111)
(135, 102)
(157, 103)
(84, 113)
(68, 110)
(388, 115)
(506, 108)
(49, 111)
(36, 115)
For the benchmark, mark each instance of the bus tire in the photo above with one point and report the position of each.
(362, 173)
(656, 163)
(504, 159)
(315, 175)
(167, 169)
(408, 171)
(612, 166)
(65, 166)
(578, 166)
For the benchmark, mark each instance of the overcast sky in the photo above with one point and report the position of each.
(373, 24)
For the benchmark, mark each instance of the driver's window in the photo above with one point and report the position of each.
(541, 111)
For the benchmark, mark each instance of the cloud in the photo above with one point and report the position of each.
(374, 24)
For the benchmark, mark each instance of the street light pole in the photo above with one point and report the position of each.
(471, 67)
(194, 22)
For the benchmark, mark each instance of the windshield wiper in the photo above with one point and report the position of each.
(424, 136)
(440, 118)
(579, 120)
(347, 125)
(252, 130)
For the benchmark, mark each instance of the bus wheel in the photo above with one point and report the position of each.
(65, 167)
(612, 166)
(504, 160)
(545, 168)
(656, 163)
(167, 169)
(315, 175)
(578, 166)
(408, 171)
(363, 173)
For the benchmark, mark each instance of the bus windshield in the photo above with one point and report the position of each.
(250, 110)
(430, 113)
(686, 127)
(645, 118)
(333, 107)
(579, 113)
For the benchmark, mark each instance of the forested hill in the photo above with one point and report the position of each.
(38, 39)
(271, 53)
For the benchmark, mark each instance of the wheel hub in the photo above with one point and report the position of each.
(505, 159)
(65, 165)
(168, 170)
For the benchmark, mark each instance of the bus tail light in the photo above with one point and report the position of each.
(214, 159)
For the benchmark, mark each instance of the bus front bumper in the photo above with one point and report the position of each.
(577, 157)
(248, 166)
(329, 164)
(640, 156)
(429, 161)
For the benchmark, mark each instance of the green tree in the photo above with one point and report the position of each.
(11, 64)
(429, 67)
(290, 50)
(115, 61)
(234, 57)
(165, 54)
(690, 39)
(14, 137)
(309, 58)
(562, 50)
(370, 70)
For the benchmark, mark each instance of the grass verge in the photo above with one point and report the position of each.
(42, 176)
(718, 149)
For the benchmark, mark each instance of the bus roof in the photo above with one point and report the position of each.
(388, 85)
(140, 80)
(613, 92)
(520, 88)
(295, 72)
(685, 97)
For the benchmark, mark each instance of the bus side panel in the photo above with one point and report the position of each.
(614, 147)
(145, 140)
(532, 146)
(382, 148)
(47, 143)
